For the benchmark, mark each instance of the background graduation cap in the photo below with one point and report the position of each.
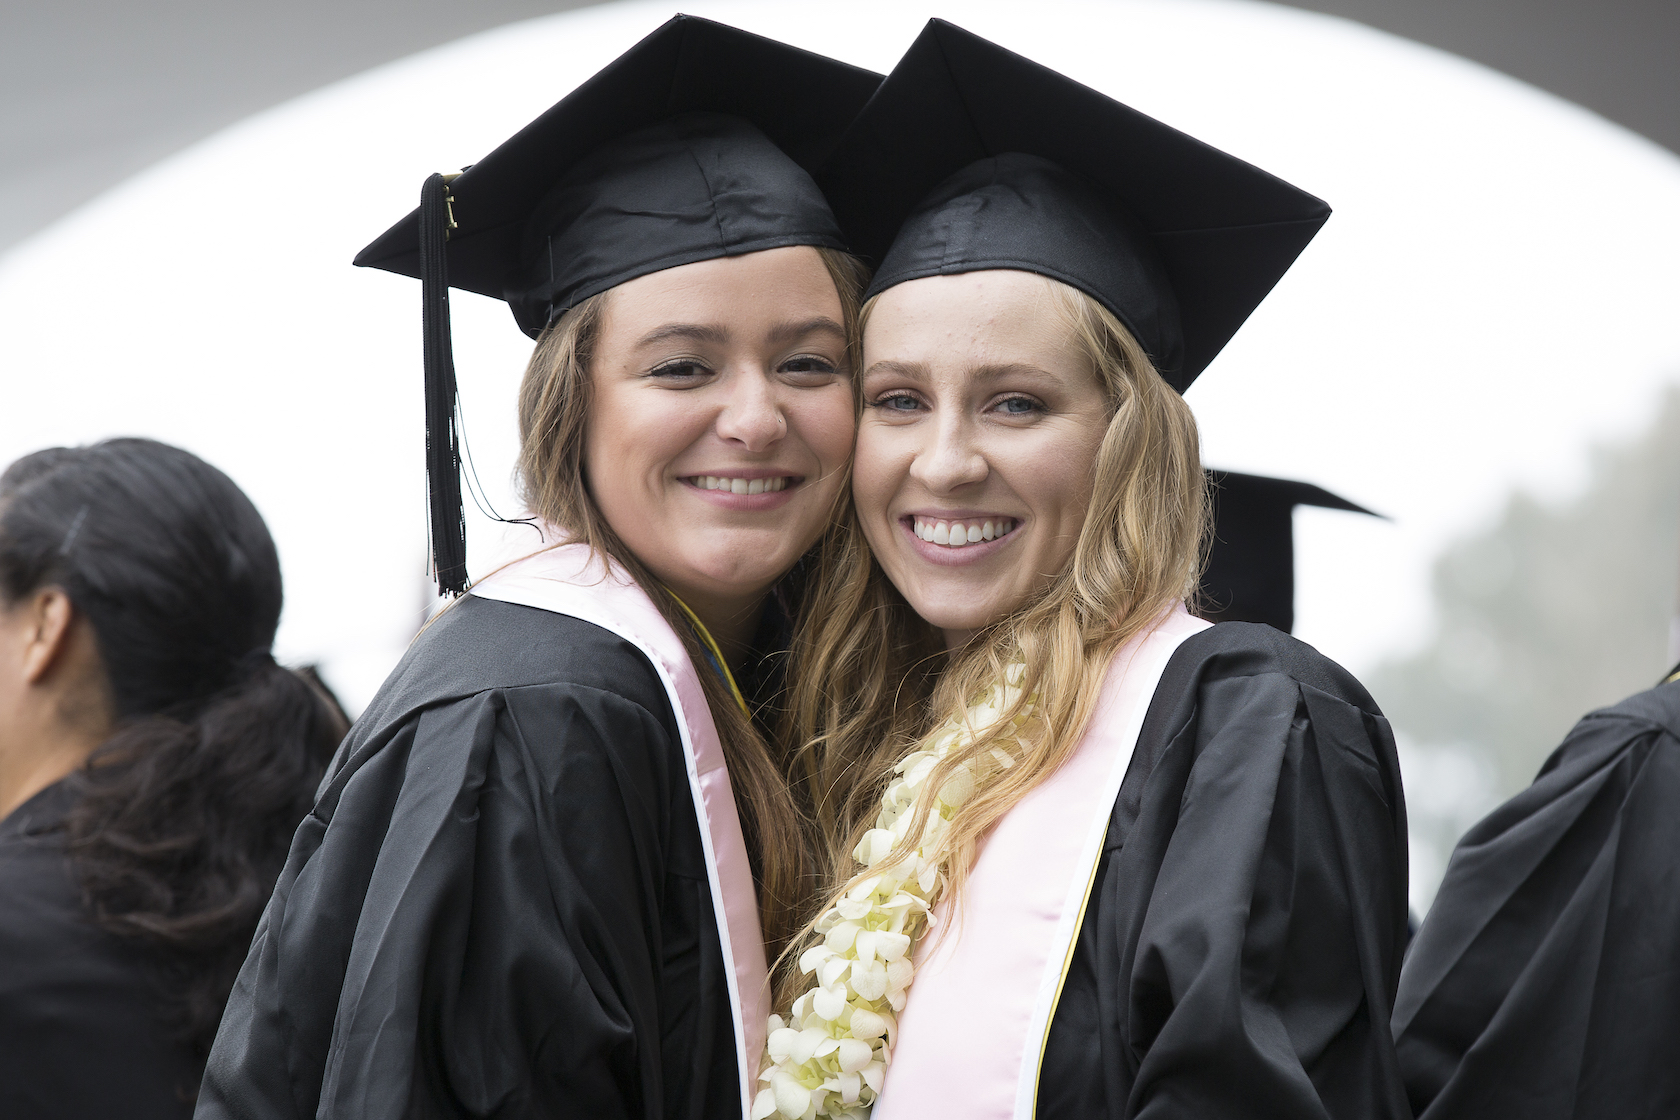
(697, 143)
(971, 157)
(1250, 574)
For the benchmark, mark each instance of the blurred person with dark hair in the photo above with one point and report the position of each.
(154, 762)
(1545, 981)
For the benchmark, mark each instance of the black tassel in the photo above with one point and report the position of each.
(443, 448)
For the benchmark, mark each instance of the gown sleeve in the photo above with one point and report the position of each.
(486, 915)
(1545, 982)
(1242, 943)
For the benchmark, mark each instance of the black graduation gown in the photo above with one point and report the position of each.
(499, 905)
(1545, 982)
(85, 1023)
(1242, 942)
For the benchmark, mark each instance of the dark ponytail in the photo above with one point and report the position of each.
(184, 815)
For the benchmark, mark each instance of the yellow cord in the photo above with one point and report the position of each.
(706, 636)
(1067, 966)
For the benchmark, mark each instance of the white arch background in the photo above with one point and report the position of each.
(1496, 290)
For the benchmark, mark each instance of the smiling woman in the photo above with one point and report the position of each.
(984, 414)
(1106, 860)
(719, 413)
(544, 867)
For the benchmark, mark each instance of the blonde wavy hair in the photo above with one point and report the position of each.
(871, 680)
(554, 406)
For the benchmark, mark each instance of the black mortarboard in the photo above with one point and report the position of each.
(971, 157)
(697, 143)
(1250, 575)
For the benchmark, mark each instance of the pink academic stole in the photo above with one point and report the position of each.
(973, 1028)
(568, 580)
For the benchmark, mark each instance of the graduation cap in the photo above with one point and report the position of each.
(697, 143)
(970, 157)
(1250, 575)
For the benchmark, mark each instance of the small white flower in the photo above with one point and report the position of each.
(829, 1002)
(891, 946)
(866, 1024)
(814, 957)
(839, 938)
(854, 909)
(832, 971)
(869, 980)
(804, 1048)
(781, 1043)
(792, 1098)
(958, 788)
(854, 1054)
(875, 846)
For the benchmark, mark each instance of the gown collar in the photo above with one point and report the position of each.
(713, 653)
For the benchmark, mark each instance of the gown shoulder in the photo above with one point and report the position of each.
(1545, 981)
(499, 904)
(75, 997)
(1242, 941)
(477, 645)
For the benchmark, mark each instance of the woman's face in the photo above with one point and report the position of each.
(721, 420)
(976, 454)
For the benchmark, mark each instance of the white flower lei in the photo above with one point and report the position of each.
(829, 1056)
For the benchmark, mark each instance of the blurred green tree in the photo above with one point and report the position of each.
(1554, 611)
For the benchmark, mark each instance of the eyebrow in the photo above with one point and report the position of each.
(718, 336)
(1012, 369)
(693, 332)
(991, 372)
(821, 324)
(916, 370)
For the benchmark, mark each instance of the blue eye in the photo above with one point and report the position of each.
(1018, 406)
(898, 402)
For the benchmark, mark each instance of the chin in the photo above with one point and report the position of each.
(735, 571)
(954, 612)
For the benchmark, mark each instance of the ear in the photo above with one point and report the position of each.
(50, 618)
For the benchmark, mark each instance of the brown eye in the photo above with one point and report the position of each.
(680, 371)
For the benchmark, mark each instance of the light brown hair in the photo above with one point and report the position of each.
(554, 405)
(869, 679)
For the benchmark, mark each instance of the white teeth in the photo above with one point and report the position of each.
(740, 485)
(956, 534)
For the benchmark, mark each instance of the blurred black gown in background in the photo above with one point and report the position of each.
(85, 1030)
(1545, 982)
